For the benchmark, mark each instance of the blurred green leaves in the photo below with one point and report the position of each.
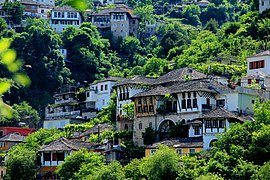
(13, 65)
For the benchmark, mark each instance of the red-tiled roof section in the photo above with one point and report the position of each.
(20, 130)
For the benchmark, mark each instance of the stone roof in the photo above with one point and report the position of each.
(97, 128)
(255, 75)
(64, 144)
(110, 79)
(12, 137)
(263, 53)
(65, 9)
(179, 75)
(205, 85)
(139, 80)
(221, 113)
(180, 143)
(157, 91)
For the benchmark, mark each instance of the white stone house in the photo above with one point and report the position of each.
(64, 111)
(119, 20)
(258, 70)
(63, 17)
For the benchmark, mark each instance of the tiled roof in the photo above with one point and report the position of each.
(180, 143)
(140, 80)
(157, 91)
(206, 85)
(263, 53)
(179, 75)
(221, 113)
(97, 128)
(118, 8)
(65, 9)
(12, 137)
(110, 79)
(255, 75)
(63, 144)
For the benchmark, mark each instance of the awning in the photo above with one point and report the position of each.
(45, 169)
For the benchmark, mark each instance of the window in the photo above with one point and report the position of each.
(145, 109)
(150, 124)
(55, 14)
(221, 123)
(2, 144)
(183, 95)
(139, 101)
(179, 151)
(126, 127)
(151, 108)
(60, 156)
(101, 88)
(215, 124)
(208, 124)
(106, 87)
(249, 81)
(197, 130)
(140, 126)
(87, 94)
(184, 104)
(194, 94)
(252, 101)
(150, 100)
(144, 101)
(192, 151)
(256, 64)
(139, 109)
(195, 103)
(189, 94)
(152, 151)
(54, 156)
(189, 103)
(1, 133)
(221, 103)
(103, 102)
(47, 156)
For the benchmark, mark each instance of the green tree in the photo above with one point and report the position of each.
(71, 168)
(112, 171)
(132, 170)
(26, 114)
(191, 13)
(149, 136)
(161, 165)
(130, 47)
(21, 163)
(14, 10)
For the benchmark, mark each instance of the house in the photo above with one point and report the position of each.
(50, 3)
(126, 89)
(182, 146)
(119, 20)
(189, 97)
(55, 153)
(65, 110)
(263, 5)
(10, 140)
(258, 70)
(44, 11)
(30, 8)
(97, 129)
(115, 2)
(64, 16)
(22, 131)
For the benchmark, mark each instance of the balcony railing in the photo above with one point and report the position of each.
(71, 114)
(68, 100)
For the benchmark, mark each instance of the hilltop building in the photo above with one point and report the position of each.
(64, 16)
(65, 110)
(119, 20)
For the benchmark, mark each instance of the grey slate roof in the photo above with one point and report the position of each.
(157, 91)
(180, 142)
(139, 80)
(64, 144)
(65, 9)
(221, 113)
(263, 53)
(96, 129)
(12, 137)
(179, 75)
(205, 85)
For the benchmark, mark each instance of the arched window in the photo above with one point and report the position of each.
(140, 126)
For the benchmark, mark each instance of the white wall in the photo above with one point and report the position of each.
(56, 123)
(266, 68)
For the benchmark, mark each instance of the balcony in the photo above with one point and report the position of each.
(208, 107)
(62, 101)
(71, 114)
